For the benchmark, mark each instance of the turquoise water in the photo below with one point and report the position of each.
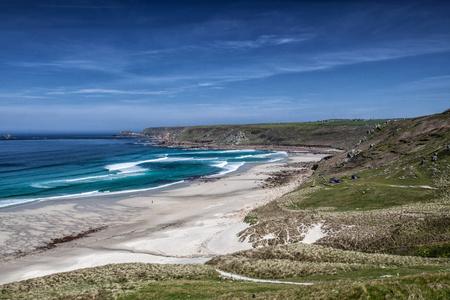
(58, 167)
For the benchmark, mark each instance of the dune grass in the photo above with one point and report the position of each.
(204, 289)
(424, 286)
(150, 281)
(105, 282)
(303, 262)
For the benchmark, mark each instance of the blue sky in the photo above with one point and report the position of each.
(113, 65)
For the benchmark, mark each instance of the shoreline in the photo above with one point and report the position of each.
(316, 149)
(181, 224)
(119, 195)
(136, 191)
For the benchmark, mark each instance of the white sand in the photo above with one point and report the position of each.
(188, 224)
(226, 241)
(314, 234)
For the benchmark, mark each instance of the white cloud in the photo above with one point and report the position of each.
(437, 82)
(302, 62)
(94, 65)
(24, 94)
(261, 41)
(109, 92)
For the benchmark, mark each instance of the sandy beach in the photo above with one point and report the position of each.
(188, 223)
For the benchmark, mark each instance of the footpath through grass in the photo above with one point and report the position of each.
(425, 286)
(149, 281)
(306, 263)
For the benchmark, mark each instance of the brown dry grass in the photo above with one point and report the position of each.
(105, 282)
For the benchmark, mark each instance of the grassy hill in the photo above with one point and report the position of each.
(399, 203)
(149, 281)
(340, 134)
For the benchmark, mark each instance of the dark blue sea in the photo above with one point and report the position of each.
(40, 168)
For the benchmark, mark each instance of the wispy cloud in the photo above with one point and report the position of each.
(437, 82)
(185, 48)
(394, 50)
(134, 101)
(326, 60)
(217, 78)
(261, 41)
(109, 92)
(85, 6)
(305, 62)
(118, 92)
(130, 69)
(94, 65)
(23, 95)
(223, 45)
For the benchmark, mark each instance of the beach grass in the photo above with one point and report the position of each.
(105, 282)
(204, 289)
(202, 282)
(423, 286)
(303, 262)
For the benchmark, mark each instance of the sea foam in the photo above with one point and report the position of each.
(131, 167)
(13, 202)
(227, 167)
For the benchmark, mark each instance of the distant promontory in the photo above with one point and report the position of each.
(7, 137)
(126, 133)
(341, 134)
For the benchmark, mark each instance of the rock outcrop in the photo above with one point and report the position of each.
(126, 133)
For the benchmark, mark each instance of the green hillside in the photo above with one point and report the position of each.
(399, 203)
(337, 133)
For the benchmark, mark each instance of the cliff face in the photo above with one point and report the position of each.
(338, 134)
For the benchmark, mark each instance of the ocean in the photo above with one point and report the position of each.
(41, 168)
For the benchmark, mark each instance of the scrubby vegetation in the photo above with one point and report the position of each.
(148, 281)
(426, 286)
(398, 204)
(311, 262)
(205, 289)
(106, 282)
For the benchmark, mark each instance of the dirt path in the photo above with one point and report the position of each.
(239, 277)
(414, 186)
